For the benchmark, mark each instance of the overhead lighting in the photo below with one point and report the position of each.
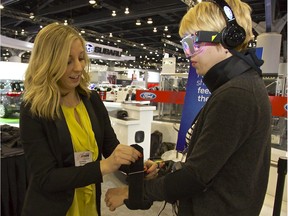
(126, 10)
(31, 16)
(113, 13)
(168, 36)
(138, 22)
(1, 6)
(155, 29)
(110, 35)
(149, 21)
(166, 28)
(65, 22)
(92, 2)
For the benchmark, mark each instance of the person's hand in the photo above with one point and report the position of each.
(115, 197)
(151, 168)
(122, 155)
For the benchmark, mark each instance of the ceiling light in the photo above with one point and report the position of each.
(168, 36)
(149, 21)
(166, 28)
(65, 22)
(155, 29)
(110, 35)
(92, 2)
(31, 16)
(113, 13)
(138, 22)
(126, 11)
(1, 6)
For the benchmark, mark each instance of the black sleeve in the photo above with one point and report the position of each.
(174, 186)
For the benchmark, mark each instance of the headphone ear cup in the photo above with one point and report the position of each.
(232, 36)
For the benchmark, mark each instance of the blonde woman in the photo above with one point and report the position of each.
(227, 165)
(65, 129)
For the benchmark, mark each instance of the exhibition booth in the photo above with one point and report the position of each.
(166, 109)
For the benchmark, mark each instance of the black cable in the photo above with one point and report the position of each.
(162, 209)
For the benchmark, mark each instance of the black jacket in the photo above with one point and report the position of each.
(49, 153)
(227, 167)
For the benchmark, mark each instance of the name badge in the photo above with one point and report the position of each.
(82, 158)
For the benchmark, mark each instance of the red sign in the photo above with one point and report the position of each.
(173, 97)
(279, 106)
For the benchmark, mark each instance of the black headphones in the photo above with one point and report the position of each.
(233, 34)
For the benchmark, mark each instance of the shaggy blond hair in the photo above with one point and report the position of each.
(47, 64)
(207, 16)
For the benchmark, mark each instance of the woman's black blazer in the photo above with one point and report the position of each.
(50, 158)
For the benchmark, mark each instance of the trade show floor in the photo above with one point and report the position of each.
(112, 180)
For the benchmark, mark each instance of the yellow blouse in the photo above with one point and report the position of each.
(83, 139)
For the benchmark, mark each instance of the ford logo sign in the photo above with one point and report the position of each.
(148, 95)
(89, 48)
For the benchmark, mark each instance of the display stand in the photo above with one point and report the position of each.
(139, 119)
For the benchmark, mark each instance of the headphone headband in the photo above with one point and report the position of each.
(226, 10)
(233, 34)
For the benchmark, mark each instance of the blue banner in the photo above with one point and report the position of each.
(196, 96)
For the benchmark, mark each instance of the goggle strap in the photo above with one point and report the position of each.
(207, 36)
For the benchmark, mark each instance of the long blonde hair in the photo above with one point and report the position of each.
(207, 16)
(47, 64)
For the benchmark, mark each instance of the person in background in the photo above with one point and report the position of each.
(130, 95)
(65, 129)
(228, 157)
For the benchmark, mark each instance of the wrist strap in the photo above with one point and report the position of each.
(136, 184)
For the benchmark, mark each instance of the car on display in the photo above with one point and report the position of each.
(107, 92)
(135, 87)
(11, 92)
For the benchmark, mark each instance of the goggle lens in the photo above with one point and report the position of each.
(188, 45)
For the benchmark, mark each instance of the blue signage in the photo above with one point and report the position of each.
(196, 96)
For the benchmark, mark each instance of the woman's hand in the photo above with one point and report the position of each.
(122, 155)
(115, 197)
(151, 168)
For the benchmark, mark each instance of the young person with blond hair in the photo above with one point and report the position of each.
(228, 157)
